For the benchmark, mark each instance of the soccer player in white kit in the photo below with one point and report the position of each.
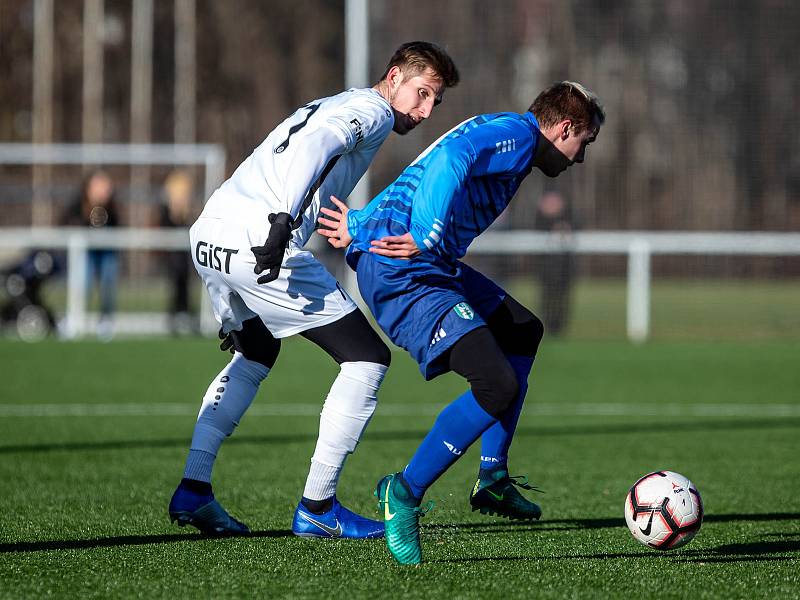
(247, 247)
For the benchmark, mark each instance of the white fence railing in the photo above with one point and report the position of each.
(639, 246)
(77, 241)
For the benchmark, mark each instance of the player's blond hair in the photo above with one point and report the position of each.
(567, 100)
(414, 57)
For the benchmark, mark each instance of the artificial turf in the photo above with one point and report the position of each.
(93, 438)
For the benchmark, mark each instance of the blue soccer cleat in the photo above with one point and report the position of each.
(338, 522)
(205, 513)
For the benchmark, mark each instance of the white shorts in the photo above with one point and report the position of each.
(305, 295)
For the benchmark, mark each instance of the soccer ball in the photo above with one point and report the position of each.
(664, 510)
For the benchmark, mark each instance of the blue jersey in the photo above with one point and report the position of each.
(454, 190)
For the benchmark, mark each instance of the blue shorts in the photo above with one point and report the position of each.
(425, 307)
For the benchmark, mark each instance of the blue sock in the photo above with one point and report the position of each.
(496, 441)
(457, 426)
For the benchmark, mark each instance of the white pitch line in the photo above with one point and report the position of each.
(533, 409)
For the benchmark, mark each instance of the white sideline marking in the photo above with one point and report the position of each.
(565, 409)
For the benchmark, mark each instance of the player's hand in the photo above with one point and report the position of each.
(337, 233)
(227, 341)
(270, 256)
(396, 246)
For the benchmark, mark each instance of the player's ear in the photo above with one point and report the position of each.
(394, 77)
(566, 128)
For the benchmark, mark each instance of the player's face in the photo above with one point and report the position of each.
(413, 98)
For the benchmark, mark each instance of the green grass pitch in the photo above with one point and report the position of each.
(93, 438)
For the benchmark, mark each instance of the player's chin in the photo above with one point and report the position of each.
(404, 125)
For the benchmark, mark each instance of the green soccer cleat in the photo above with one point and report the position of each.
(401, 513)
(501, 498)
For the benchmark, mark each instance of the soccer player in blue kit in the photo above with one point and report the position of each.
(405, 247)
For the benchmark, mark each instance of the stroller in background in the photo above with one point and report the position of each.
(22, 310)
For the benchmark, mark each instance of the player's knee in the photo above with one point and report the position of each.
(375, 352)
(526, 336)
(382, 356)
(496, 390)
(517, 330)
(265, 355)
(531, 332)
(350, 339)
(355, 390)
(256, 343)
(246, 371)
(507, 390)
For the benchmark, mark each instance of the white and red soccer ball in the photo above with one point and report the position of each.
(664, 510)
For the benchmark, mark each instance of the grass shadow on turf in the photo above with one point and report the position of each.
(759, 551)
(127, 540)
(568, 524)
(694, 425)
(755, 551)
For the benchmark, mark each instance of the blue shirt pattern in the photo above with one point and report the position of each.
(454, 190)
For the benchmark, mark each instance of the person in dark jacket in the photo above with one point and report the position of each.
(95, 207)
(176, 212)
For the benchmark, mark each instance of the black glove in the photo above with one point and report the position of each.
(270, 255)
(227, 341)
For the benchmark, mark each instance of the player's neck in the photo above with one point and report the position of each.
(382, 87)
(549, 135)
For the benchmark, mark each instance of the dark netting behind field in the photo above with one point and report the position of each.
(701, 99)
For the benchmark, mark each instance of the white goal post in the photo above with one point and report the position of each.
(78, 241)
(210, 156)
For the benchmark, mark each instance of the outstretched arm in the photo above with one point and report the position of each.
(338, 234)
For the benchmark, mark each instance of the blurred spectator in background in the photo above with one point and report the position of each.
(554, 215)
(95, 207)
(176, 211)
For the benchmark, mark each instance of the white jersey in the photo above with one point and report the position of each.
(323, 149)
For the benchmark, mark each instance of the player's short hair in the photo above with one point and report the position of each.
(414, 57)
(567, 100)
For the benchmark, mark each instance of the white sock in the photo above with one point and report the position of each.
(226, 400)
(346, 413)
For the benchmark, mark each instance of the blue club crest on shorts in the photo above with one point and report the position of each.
(464, 310)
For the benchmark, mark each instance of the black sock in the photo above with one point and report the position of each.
(489, 474)
(198, 487)
(317, 506)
